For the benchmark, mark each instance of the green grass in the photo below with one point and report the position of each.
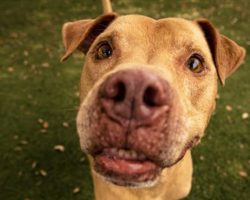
(35, 85)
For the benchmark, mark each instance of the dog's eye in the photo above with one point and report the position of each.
(195, 64)
(104, 51)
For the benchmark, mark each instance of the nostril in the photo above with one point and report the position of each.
(149, 97)
(120, 92)
(115, 90)
(154, 95)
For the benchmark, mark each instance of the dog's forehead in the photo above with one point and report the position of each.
(139, 25)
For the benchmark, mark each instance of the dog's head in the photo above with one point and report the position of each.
(148, 89)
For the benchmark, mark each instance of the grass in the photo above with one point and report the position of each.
(36, 88)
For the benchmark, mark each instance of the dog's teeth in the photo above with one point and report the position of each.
(113, 151)
(127, 155)
(133, 154)
(121, 153)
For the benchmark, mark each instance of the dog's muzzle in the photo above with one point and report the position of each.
(135, 129)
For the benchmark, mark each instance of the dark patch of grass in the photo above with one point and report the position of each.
(41, 87)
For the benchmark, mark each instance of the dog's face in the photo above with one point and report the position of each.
(148, 89)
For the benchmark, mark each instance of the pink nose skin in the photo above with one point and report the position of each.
(134, 94)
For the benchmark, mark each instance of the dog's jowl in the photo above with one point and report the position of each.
(148, 90)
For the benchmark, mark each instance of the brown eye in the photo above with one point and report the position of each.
(195, 64)
(104, 51)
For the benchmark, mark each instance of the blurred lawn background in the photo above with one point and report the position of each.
(39, 100)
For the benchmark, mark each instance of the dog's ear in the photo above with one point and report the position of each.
(227, 55)
(81, 34)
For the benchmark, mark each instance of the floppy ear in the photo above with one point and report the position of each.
(227, 55)
(81, 34)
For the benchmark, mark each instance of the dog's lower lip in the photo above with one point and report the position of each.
(125, 167)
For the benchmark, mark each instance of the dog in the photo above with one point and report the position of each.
(148, 89)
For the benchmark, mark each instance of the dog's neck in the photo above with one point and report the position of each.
(174, 183)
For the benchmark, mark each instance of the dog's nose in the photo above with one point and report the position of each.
(134, 94)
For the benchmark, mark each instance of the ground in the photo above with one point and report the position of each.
(39, 100)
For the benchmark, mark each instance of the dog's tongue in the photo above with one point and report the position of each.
(125, 167)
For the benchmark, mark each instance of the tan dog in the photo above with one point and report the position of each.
(148, 90)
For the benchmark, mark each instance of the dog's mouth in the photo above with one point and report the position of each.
(126, 167)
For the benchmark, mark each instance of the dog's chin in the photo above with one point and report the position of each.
(127, 173)
(128, 183)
